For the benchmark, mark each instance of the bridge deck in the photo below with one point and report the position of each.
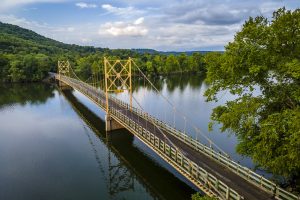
(239, 184)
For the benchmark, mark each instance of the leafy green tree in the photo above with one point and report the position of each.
(262, 68)
(157, 63)
(95, 68)
(197, 63)
(84, 67)
(172, 64)
(16, 72)
(197, 196)
(149, 65)
(5, 65)
(212, 60)
(183, 62)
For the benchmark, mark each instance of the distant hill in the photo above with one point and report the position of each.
(180, 52)
(142, 51)
(14, 39)
(152, 51)
(28, 56)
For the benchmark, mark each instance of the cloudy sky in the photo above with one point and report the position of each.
(176, 25)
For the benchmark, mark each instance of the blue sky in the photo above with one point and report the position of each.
(177, 25)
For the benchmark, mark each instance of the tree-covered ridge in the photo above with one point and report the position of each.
(39, 40)
(262, 67)
(28, 56)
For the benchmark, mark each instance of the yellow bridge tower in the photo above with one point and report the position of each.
(117, 79)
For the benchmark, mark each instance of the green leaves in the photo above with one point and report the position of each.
(264, 54)
(197, 196)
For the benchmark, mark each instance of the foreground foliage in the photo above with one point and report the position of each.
(197, 196)
(261, 67)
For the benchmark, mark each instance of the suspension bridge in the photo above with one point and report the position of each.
(208, 167)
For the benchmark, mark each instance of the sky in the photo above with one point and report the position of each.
(165, 25)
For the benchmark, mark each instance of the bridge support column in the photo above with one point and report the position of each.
(111, 124)
(64, 86)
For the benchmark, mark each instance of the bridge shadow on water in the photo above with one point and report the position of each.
(134, 163)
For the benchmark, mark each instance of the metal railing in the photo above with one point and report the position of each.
(196, 174)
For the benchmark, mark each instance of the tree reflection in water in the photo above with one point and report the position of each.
(32, 93)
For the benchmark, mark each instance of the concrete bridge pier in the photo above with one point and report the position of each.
(64, 86)
(111, 124)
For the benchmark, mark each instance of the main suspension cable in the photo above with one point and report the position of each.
(189, 120)
(156, 126)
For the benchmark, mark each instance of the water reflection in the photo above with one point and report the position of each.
(119, 178)
(131, 161)
(172, 82)
(32, 93)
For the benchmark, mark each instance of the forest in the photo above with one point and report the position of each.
(28, 57)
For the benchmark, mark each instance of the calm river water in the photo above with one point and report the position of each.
(53, 144)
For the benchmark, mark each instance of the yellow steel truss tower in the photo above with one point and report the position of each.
(117, 77)
(63, 68)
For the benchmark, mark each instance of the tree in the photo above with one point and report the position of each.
(149, 67)
(158, 63)
(4, 63)
(172, 64)
(84, 67)
(197, 196)
(262, 67)
(183, 62)
(197, 63)
(16, 73)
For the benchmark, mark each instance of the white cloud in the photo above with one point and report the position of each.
(139, 21)
(121, 11)
(7, 4)
(191, 36)
(127, 30)
(70, 29)
(116, 10)
(85, 40)
(124, 29)
(85, 5)
(61, 33)
(11, 19)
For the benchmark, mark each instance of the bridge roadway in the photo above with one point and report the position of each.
(246, 189)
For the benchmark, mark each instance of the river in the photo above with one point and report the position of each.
(53, 143)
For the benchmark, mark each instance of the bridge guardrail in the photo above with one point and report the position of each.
(242, 171)
(184, 165)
